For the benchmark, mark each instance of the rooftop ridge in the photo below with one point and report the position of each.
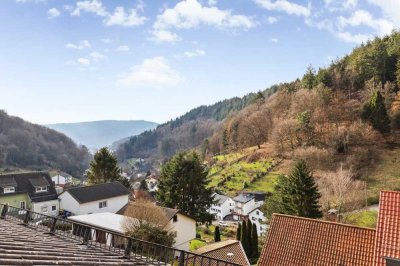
(322, 221)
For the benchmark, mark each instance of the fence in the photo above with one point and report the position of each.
(134, 249)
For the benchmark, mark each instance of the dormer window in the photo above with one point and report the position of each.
(9, 190)
(41, 189)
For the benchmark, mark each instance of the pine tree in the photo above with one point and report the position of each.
(375, 112)
(309, 79)
(143, 185)
(103, 168)
(244, 237)
(249, 240)
(239, 232)
(217, 235)
(184, 185)
(254, 241)
(296, 194)
(225, 140)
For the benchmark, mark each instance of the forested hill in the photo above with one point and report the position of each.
(188, 131)
(24, 145)
(97, 134)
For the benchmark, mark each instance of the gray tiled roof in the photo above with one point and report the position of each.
(8, 181)
(220, 198)
(21, 245)
(243, 198)
(98, 192)
(24, 185)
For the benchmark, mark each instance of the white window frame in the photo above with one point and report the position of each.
(9, 190)
(102, 204)
(52, 208)
(41, 189)
(22, 205)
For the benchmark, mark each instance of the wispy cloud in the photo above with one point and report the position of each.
(123, 48)
(286, 7)
(153, 72)
(53, 13)
(122, 18)
(79, 46)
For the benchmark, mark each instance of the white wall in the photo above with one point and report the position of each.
(59, 180)
(255, 217)
(38, 207)
(222, 210)
(68, 203)
(185, 229)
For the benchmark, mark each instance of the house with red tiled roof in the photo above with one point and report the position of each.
(228, 250)
(297, 241)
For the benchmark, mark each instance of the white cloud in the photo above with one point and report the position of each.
(122, 18)
(212, 2)
(153, 72)
(53, 13)
(160, 36)
(391, 8)
(80, 46)
(89, 6)
(83, 61)
(190, 14)
(353, 38)
(96, 56)
(285, 6)
(272, 20)
(364, 18)
(106, 40)
(275, 40)
(194, 53)
(123, 48)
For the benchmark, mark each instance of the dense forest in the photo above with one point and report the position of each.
(24, 145)
(187, 131)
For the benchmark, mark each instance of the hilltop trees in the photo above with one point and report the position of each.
(103, 169)
(375, 112)
(295, 194)
(183, 185)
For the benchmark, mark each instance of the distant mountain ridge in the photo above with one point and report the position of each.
(97, 134)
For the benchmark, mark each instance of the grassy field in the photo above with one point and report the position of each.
(385, 175)
(207, 234)
(196, 244)
(232, 173)
(362, 218)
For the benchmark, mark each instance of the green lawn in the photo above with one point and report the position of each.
(196, 244)
(362, 218)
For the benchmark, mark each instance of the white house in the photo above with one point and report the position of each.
(107, 197)
(152, 184)
(257, 217)
(244, 203)
(222, 207)
(184, 226)
(61, 179)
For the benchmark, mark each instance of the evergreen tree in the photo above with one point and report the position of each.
(103, 168)
(184, 185)
(398, 72)
(254, 241)
(225, 140)
(143, 185)
(217, 235)
(239, 232)
(309, 79)
(249, 239)
(296, 194)
(244, 237)
(375, 112)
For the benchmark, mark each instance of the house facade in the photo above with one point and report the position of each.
(32, 190)
(222, 206)
(61, 179)
(107, 197)
(183, 225)
(258, 218)
(244, 203)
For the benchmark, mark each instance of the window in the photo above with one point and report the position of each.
(44, 209)
(22, 205)
(253, 218)
(257, 212)
(102, 204)
(9, 190)
(53, 208)
(175, 219)
(41, 189)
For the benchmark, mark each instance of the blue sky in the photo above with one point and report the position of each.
(70, 61)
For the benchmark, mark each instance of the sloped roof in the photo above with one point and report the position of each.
(7, 181)
(22, 245)
(24, 185)
(243, 198)
(220, 250)
(387, 242)
(98, 192)
(301, 241)
(220, 198)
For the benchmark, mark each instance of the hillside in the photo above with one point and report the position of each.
(97, 134)
(24, 145)
(186, 132)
